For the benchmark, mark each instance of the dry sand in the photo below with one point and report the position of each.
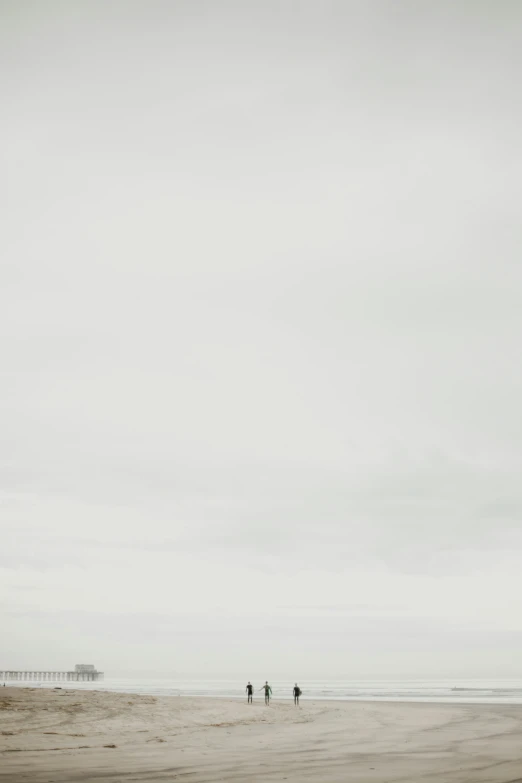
(66, 736)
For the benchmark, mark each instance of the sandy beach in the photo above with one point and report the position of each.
(63, 735)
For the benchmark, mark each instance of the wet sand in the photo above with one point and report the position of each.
(66, 736)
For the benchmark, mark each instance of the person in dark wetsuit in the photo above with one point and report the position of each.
(250, 692)
(268, 692)
(297, 693)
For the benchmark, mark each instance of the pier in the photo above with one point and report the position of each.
(82, 673)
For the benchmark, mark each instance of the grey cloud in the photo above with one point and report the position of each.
(427, 509)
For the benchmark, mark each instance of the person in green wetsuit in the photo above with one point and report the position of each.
(268, 692)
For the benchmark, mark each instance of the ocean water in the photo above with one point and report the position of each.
(442, 691)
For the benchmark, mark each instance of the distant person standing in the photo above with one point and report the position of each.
(297, 693)
(268, 692)
(250, 692)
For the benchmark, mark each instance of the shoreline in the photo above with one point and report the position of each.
(378, 699)
(70, 735)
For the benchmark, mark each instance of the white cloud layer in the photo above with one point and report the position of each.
(260, 318)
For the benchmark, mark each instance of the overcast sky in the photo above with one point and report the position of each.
(261, 317)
